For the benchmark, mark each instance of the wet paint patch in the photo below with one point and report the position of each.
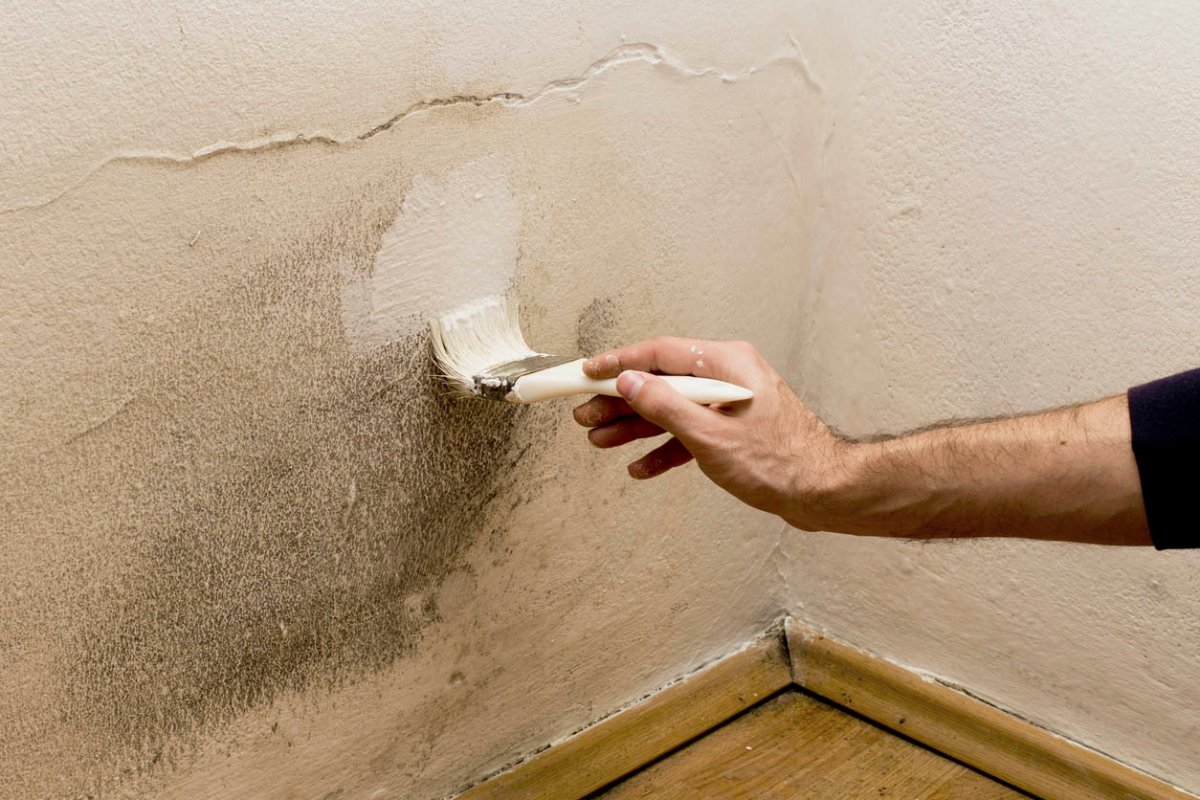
(454, 239)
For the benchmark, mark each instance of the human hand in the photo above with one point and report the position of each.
(771, 452)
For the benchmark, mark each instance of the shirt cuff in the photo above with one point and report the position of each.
(1164, 416)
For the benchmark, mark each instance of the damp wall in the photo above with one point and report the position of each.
(1010, 225)
(249, 548)
(250, 551)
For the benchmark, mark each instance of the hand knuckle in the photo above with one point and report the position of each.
(745, 348)
(659, 342)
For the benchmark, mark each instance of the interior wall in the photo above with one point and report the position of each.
(252, 551)
(1009, 225)
(250, 548)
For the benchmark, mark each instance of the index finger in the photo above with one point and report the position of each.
(673, 355)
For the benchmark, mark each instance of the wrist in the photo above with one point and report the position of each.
(856, 493)
(869, 491)
(830, 496)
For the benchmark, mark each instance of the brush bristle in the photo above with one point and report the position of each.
(476, 336)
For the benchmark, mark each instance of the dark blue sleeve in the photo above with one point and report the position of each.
(1165, 418)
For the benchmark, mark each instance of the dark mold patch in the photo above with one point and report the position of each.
(288, 508)
(594, 329)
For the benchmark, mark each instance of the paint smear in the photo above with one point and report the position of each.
(453, 240)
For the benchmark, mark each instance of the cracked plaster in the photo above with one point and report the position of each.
(246, 554)
(183, 419)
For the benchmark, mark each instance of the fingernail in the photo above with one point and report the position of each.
(640, 470)
(629, 383)
(599, 365)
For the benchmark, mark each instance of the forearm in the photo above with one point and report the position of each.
(1067, 474)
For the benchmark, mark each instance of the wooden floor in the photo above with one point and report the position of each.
(796, 747)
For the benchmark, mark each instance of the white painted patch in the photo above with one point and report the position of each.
(454, 240)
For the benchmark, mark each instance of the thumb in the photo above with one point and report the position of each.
(653, 399)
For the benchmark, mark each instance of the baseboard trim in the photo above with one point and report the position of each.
(941, 717)
(963, 727)
(628, 740)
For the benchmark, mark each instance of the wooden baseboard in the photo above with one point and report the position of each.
(942, 718)
(967, 729)
(620, 744)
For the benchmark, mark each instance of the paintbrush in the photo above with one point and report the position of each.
(481, 352)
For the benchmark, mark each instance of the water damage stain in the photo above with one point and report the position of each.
(288, 508)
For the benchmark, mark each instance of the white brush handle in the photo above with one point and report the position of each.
(568, 379)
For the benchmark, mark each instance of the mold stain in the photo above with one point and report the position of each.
(288, 508)
(595, 324)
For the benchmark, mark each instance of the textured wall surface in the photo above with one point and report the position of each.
(1009, 226)
(249, 549)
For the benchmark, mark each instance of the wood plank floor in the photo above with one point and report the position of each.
(797, 747)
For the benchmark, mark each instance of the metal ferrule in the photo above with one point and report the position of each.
(498, 380)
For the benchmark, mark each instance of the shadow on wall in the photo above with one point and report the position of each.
(284, 509)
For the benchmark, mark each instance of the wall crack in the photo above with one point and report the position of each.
(630, 53)
(781, 560)
(95, 425)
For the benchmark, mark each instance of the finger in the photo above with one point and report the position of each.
(725, 361)
(623, 431)
(600, 410)
(660, 459)
(653, 399)
(667, 354)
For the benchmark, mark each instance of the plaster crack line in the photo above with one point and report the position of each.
(802, 61)
(95, 425)
(625, 54)
(640, 52)
(783, 154)
(782, 562)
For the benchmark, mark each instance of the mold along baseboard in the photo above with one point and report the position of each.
(635, 736)
(792, 655)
